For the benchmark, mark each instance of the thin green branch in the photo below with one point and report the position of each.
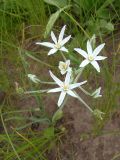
(5, 129)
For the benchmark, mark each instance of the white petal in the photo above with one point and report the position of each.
(53, 37)
(97, 96)
(33, 78)
(84, 63)
(52, 51)
(46, 44)
(67, 78)
(98, 49)
(72, 86)
(55, 90)
(62, 72)
(96, 65)
(98, 58)
(97, 91)
(61, 63)
(67, 62)
(58, 81)
(69, 69)
(64, 49)
(61, 34)
(61, 98)
(65, 40)
(89, 48)
(71, 93)
(82, 52)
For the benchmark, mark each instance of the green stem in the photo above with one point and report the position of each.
(63, 55)
(81, 100)
(5, 129)
(46, 82)
(78, 24)
(39, 91)
(79, 74)
(86, 92)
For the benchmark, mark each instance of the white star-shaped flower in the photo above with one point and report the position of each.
(33, 78)
(64, 67)
(58, 44)
(91, 56)
(64, 87)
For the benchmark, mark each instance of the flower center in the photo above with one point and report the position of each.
(64, 66)
(90, 58)
(65, 87)
(58, 46)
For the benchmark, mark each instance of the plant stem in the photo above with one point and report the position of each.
(46, 82)
(86, 92)
(78, 76)
(63, 55)
(81, 100)
(39, 91)
(5, 129)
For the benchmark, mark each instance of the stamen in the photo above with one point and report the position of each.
(90, 58)
(58, 46)
(64, 66)
(65, 87)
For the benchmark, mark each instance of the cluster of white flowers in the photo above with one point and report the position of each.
(67, 87)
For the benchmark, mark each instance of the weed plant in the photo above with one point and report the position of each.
(23, 22)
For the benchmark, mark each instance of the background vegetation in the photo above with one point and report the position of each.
(22, 22)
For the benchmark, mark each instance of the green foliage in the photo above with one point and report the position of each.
(58, 3)
(51, 22)
(57, 116)
(23, 21)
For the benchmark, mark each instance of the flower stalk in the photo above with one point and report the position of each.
(71, 75)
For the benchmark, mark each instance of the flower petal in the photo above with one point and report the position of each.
(33, 78)
(84, 63)
(72, 86)
(96, 93)
(67, 78)
(82, 52)
(61, 34)
(64, 49)
(55, 90)
(58, 81)
(61, 63)
(98, 49)
(96, 65)
(63, 72)
(98, 58)
(68, 62)
(46, 44)
(65, 40)
(61, 98)
(52, 51)
(89, 48)
(53, 37)
(71, 93)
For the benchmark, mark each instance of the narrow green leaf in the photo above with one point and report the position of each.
(51, 22)
(53, 19)
(57, 3)
(57, 115)
(49, 132)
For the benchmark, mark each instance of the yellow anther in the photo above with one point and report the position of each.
(90, 58)
(65, 87)
(58, 46)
